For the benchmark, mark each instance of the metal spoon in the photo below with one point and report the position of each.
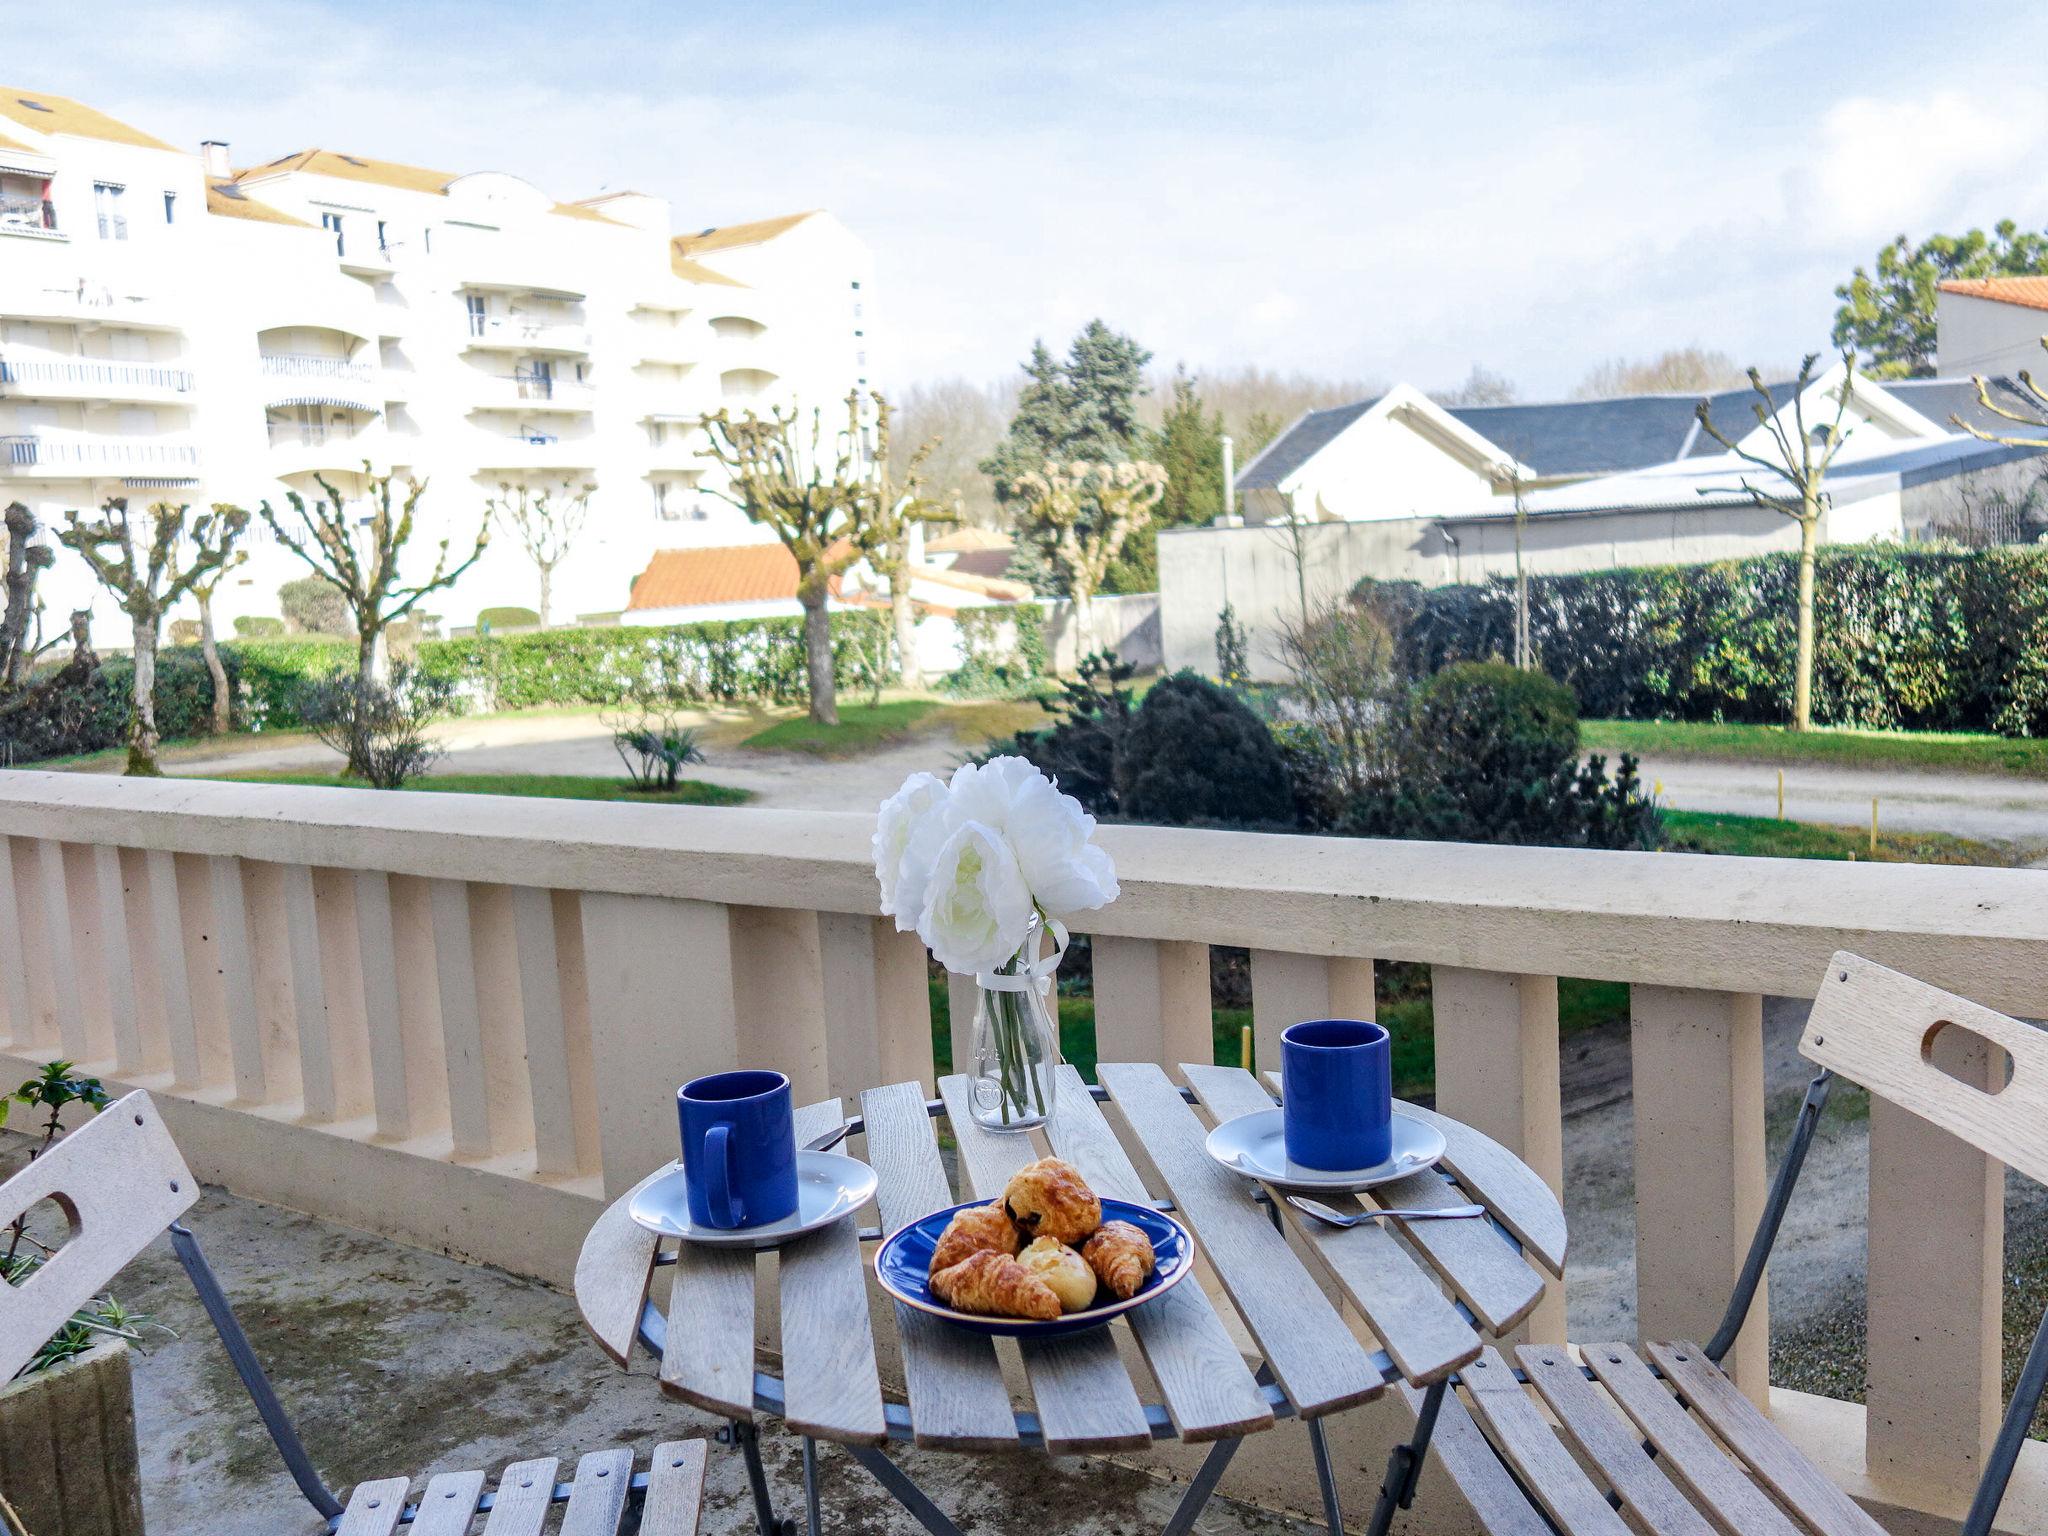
(1337, 1218)
(830, 1139)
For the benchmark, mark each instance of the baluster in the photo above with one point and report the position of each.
(116, 958)
(377, 945)
(880, 1007)
(660, 981)
(146, 972)
(67, 1022)
(92, 1042)
(174, 980)
(14, 948)
(277, 995)
(963, 998)
(508, 1086)
(547, 1045)
(415, 961)
(1935, 1287)
(236, 969)
(462, 1039)
(1288, 988)
(309, 995)
(1497, 1070)
(779, 994)
(1152, 1002)
(1697, 1058)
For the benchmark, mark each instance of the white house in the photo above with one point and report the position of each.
(1990, 325)
(173, 328)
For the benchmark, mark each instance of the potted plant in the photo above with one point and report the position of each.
(75, 1397)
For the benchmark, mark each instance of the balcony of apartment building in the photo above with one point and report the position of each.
(524, 320)
(667, 341)
(317, 366)
(323, 436)
(747, 388)
(535, 443)
(27, 375)
(675, 442)
(534, 386)
(74, 455)
(90, 302)
(676, 496)
(460, 1027)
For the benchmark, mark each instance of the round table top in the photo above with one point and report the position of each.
(1084, 1399)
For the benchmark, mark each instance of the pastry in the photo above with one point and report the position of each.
(993, 1284)
(1049, 1198)
(1063, 1269)
(1121, 1257)
(973, 1230)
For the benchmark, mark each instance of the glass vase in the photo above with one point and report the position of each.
(1016, 1040)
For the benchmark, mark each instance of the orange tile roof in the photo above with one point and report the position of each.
(7, 143)
(60, 114)
(723, 237)
(2026, 292)
(384, 173)
(696, 272)
(968, 537)
(229, 200)
(705, 578)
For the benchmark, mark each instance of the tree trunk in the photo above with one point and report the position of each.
(1802, 682)
(908, 672)
(1083, 612)
(223, 700)
(547, 591)
(142, 738)
(818, 655)
(369, 673)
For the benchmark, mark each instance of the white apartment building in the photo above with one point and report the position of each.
(172, 328)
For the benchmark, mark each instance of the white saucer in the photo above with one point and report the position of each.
(829, 1187)
(1255, 1146)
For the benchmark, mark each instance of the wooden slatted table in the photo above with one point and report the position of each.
(1422, 1299)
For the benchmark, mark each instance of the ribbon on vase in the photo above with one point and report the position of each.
(1027, 974)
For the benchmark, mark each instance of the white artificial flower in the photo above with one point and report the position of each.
(909, 830)
(977, 907)
(1047, 831)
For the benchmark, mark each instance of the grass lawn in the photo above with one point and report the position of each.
(1955, 752)
(550, 786)
(864, 728)
(1766, 837)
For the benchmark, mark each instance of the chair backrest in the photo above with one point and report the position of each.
(1878, 1028)
(119, 1179)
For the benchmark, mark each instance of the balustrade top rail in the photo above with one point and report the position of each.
(1692, 920)
(91, 372)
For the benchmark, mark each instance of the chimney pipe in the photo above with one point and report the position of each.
(214, 153)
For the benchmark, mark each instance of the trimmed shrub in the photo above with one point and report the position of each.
(269, 674)
(314, 606)
(507, 618)
(259, 626)
(1194, 754)
(1909, 638)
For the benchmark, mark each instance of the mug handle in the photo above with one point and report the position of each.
(725, 1207)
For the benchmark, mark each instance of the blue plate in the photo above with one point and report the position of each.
(902, 1263)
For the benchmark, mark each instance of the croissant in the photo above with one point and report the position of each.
(1121, 1256)
(1063, 1269)
(1049, 1198)
(971, 1231)
(993, 1284)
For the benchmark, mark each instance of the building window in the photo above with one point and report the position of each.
(856, 285)
(478, 318)
(170, 207)
(333, 221)
(383, 245)
(861, 358)
(106, 198)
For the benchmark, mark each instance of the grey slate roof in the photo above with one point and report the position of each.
(1298, 444)
(1938, 399)
(1587, 437)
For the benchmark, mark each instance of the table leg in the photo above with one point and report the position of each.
(1326, 1478)
(1404, 1463)
(749, 1441)
(1196, 1499)
(904, 1491)
(813, 1522)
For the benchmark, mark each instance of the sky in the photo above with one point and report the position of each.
(1393, 191)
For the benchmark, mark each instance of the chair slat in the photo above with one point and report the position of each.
(374, 1509)
(833, 1390)
(1423, 1333)
(1605, 1439)
(448, 1504)
(597, 1499)
(1462, 1451)
(675, 1490)
(612, 1274)
(1208, 1391)
(1742, 1427)
(1313, 1354)
(1685, 1451)
(957, 1397)
(124, 1177)
(1085, 1398)
(1527, 1445)
(525, 1492)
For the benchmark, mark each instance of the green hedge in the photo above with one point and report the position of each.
(1908, 638)
(723, 662)
(267, 675)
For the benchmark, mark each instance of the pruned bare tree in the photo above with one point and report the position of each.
(806, 486)
(20, 626)
(203, 591)
(1080, 514)
(545, 527)
(365, 571)
(1800, 466)
(887, 513)
(137, 557)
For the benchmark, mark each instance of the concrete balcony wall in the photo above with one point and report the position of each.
(422, 1016)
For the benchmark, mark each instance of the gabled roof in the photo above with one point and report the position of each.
(1587, 437)
(1941, 400)
(2026, 292)
(60, 114)
(384, 173)
(230, 201)
(709, 578)
(724, 237)
(1310, 435)
(7, 143)
(968, 537)
(695, 271)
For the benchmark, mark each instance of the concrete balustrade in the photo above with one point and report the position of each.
(460, 1020)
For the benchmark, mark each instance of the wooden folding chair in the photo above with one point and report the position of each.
(1574, 1440)
(120, 1180)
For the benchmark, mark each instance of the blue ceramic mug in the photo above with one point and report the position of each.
(739, 1148)
(1337, 1081)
